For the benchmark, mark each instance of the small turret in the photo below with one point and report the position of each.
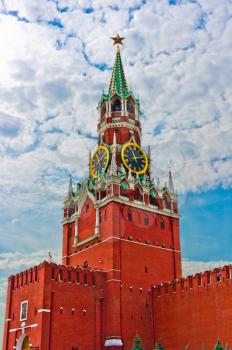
(170, 183)
(70, 188)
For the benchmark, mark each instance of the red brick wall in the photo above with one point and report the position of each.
(193, 311)
(74, 298)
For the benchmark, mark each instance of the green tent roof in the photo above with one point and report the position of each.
(118, 81)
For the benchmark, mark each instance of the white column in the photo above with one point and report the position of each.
(125, 107)
(76, 232)
(97, 221)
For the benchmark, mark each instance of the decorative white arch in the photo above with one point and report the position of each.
(20, 341)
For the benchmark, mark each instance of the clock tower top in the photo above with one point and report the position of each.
(119, 170)
(119, 109)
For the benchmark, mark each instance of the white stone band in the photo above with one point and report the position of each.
(113, 342)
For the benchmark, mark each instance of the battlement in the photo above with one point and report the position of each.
(58, 273)
(206, 279)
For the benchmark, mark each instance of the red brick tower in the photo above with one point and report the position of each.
(121, 271)
(119, 221)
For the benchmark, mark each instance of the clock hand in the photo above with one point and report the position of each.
(102, 157)
(141, 157)
(133, 153)
(98, 160)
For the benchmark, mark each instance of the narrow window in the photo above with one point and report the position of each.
(85, 278)
(23, 310)
(145, 220)
(162, 225)
(218, 276)
(129, 215)
(145, 268)
(77, 277)
(69, 276)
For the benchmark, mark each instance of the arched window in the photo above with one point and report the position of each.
(138, 195)
(129, 215)
(131, 106)
(116, 106)
(167, 201)
(162, 224)
(103, 109)
(145, 220)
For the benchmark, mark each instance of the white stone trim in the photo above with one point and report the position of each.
(113, 280)
(44, 310)
(122, 200)
(7, 319)
(122, 239)
(86, 240)
(150, 208)
(118, 125)
(18, 329)
(113, 342)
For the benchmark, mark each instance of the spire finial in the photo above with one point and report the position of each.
(70, 187)
(118, 82)
(117, 40)
(170, 182)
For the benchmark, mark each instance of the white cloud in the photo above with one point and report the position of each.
(192, 267)
(50, 85)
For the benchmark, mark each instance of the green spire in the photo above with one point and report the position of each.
(158, 346)
(118, 82)
(218, 346)
(137, 344)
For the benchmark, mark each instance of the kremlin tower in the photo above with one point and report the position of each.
(121, 249)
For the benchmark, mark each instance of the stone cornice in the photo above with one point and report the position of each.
(119, 125)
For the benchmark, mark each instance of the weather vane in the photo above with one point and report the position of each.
(118, 40)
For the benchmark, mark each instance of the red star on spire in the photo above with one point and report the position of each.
(117, 40)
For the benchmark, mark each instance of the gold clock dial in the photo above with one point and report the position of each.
(134, 158)
(99, 161)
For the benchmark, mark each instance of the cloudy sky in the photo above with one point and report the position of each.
(55, 61)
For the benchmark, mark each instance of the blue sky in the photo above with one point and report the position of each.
(55, 61)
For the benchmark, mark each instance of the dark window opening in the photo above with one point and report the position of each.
(103, 110)
(145, 220)
(117, 106)
(131, 107)
(78, 277)
(162, 224)
(85, 279)
(218, 277)
(129, 215)
(145, 268)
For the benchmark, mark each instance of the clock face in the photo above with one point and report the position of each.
(134, 158)
(99, 161)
